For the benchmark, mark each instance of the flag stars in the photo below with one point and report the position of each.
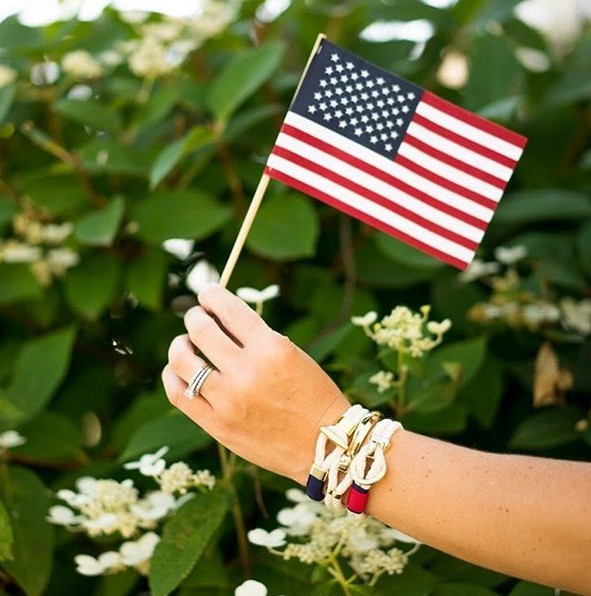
(360, 108)
(349, 89)
(328, 116)
(350, 65)
(369, 128)
(395, 111)
(358, 132)
(405, 109)
(342, 124)
(380, 81)
(390, 101)
(354, 98)
(384, 136)
(317, 96)
(390, 124)
(312, 109)
(411, 95)
(375, 93)
(344, 101)
(365, 118)
(359, 86)
(354, 121)
(354, 76)
(338, 114)
(329, 70)
(334, 81)
(385, 113)
(401, 98)
(344, 78)
(364, 96)
(364, 74)
(394, 135)
(328, 93)
(322, 106)
(373, 140)
(339, 68)
(388, 147)
(323, 83)
(370, 84)
(396, 88)
(349, 111)
(335, 57)
(399, 122)
(380, 103)
(338, 91)
(379, 126)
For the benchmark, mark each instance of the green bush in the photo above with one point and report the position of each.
(117, 135)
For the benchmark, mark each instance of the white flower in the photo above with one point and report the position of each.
(156, 505)
(214, 17)
(366, 320)
(150, 464)
(477, 269)
(107, 522)
(453, 71)
(200, 275)
(110, 58)
(18, 252)
(576, 315)
(7, 75)
(62, 258)
(44, 73)
(298, 520)
(73, 499)
(540, 312)
(86, 484)
(251, 587)
(149, 59)
(254, 296)
(107, 561)
(135, 553)
(167, 30)
(11, 438)
(56, 233)
(62, 516)
(296, 495)
(80, 92)
(179, 247)
(383, 380)
(439, 328)
(271, 539)
(81, 65)
(509, 255)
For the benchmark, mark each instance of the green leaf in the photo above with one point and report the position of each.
(406, 255)
(40, 368)
(546, 429)
(483, 393)
(90, 113)
(58, 195)
(488, 85)
(180, 214)
(146, 276)
(530, 206)
(27, 502)
(170, 156)
(92, 284)
(6, 535)
(184, 539)
(242, 77)
(17, 283)
(100, 228)
(51, 437)
(286, 228)
(321, 349)
(449, 421)
(6, 96)
(174, 429)
(413, 581)
(7, 209)
(468, 353)
(529, 589)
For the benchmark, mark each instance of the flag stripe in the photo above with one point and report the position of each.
(466, 130)
(453, 162)
(474, 120)
(402, 169)
(464, 142)
(357, 169)
(427, 174)
(472, 158)
(358, 211)
(346, 184)
(446, 171)
(310, 148)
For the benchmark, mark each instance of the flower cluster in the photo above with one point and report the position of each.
(517, 307)
(11, 438)
(103, 507)
(404, 330)
(39, 244)
(321, 534)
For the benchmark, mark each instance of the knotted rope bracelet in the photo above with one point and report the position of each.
(364, 477)
(338, 434)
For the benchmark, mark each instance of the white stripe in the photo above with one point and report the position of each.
(446, 171)
(468, 131)
(390, 167)
(396, 196)
(360, 203)
(468, 156)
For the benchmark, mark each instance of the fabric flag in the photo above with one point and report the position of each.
(394, 155)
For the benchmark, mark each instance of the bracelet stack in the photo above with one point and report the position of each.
(345, 467)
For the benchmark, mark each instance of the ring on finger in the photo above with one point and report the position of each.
(197, 380)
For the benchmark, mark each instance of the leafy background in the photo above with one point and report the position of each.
(146, 159)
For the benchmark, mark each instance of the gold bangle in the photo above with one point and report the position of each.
(344, 423)
(361, 432)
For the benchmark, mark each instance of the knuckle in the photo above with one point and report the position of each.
(282, 349)
(208, 293)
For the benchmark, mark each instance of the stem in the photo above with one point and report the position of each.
(228, 464)
(402, 378)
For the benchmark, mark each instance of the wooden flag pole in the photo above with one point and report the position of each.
(259, 194)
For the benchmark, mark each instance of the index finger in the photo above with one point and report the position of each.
(236, 316)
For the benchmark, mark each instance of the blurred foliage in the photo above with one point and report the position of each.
(129, 149)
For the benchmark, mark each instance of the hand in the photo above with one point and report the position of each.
(267, 399)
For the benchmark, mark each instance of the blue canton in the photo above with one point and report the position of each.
(356, 99)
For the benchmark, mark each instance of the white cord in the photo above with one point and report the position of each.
(378, 443)
(349, 419)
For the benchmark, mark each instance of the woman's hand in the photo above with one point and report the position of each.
(267, 399)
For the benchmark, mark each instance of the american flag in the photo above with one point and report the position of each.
(394, 155)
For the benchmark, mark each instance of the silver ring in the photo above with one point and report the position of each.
(197, 380)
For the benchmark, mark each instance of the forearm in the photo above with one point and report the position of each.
(524, 516)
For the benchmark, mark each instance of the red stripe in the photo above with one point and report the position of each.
(362, 216)
(477, 121)
(454, 163)
(437, 179)
(383, 176)
(374, 196)
(464, 142)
